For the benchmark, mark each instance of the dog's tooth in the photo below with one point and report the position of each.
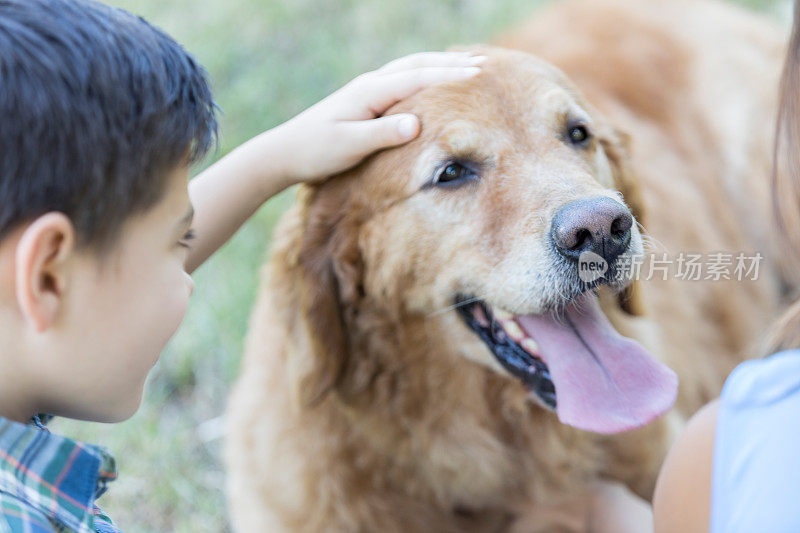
(480, 316)
(513, 330)
(530, 345)
(502, 315)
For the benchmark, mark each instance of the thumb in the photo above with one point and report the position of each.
(391, 130)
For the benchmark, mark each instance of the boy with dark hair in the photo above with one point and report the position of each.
(101, 116)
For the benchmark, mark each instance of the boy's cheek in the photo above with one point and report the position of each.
(131, 318)
(139, 351)
(168, 321)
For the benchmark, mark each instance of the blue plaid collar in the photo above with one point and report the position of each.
(58, 476)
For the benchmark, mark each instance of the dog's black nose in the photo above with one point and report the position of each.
(600, 225)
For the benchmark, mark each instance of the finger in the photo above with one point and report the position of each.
(367, 136)
(379, 93)
(432, 59)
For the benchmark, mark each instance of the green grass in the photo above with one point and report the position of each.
(268, 60)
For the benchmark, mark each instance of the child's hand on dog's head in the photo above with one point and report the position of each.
(327, 138)
(342, 129)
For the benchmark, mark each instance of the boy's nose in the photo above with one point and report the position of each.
(189, 282)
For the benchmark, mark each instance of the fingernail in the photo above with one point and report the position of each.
(407, 127)
(476, 60)
(468, 72)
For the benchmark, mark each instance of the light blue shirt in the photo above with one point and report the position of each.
(755, 476)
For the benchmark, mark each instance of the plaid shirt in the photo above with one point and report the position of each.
(49, 483)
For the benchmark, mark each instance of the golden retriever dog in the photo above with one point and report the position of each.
(426, 354)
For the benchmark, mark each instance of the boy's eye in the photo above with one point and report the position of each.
(186, 238)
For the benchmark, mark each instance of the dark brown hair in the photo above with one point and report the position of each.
(96, 107)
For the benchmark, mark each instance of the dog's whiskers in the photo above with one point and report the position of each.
(453, 306)
(648, 239)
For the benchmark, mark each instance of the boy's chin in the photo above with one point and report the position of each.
(115, 417)
(107, 413)
(122, 413)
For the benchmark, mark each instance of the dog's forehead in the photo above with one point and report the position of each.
(516, 93)
(516, 104)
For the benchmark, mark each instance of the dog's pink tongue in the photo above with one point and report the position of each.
(604, 382)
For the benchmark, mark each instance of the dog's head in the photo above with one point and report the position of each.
(512, 206)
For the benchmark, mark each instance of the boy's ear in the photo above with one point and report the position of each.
(40, 278)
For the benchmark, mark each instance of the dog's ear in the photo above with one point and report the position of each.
(330, 283)
(616, 145)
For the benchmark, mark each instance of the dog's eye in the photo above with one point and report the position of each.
(452, 173)
(578, 134)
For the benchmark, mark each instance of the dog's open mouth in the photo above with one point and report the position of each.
(517, 352)
(577, 364)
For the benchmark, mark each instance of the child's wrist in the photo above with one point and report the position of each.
(272, 156)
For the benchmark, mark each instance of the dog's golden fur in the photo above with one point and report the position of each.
(363, 407)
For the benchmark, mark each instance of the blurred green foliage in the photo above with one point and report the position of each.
(268, 60)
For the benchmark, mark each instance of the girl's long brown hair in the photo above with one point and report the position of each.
(785, 333)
